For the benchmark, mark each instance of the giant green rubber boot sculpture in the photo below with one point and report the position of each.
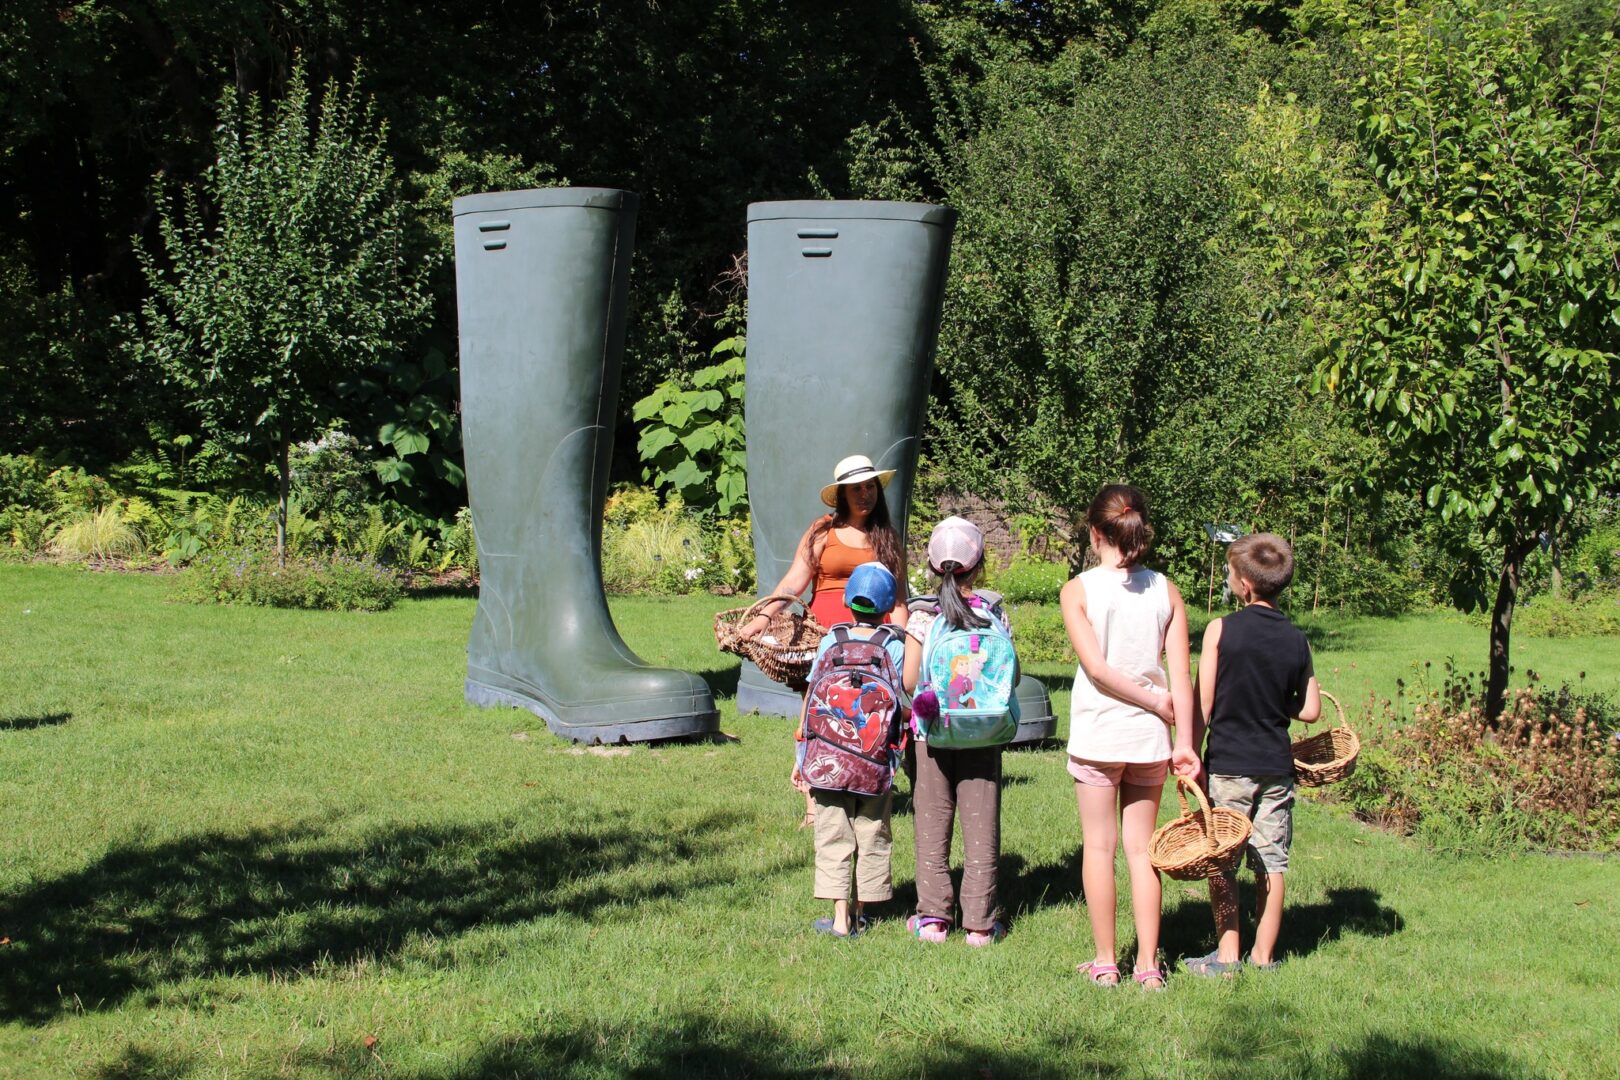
(541, 279)
(843, 314)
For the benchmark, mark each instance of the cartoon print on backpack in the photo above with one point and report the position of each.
(851, 714)
(959, 691)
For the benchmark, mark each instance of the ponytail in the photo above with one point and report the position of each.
(1120, 514)
(953, 606)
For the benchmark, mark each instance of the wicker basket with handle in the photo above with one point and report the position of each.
(784, 650)
(1328, 756)
(1200, 843)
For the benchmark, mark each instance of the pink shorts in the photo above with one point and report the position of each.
(1115, 773)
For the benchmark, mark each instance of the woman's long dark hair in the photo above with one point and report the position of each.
(880, 533)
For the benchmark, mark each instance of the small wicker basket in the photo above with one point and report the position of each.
(1200, 843)
(784, 650)
(1328, 756)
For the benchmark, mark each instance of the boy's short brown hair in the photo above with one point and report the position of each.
(1266, 560)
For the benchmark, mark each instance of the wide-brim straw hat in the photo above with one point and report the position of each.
(853, 470)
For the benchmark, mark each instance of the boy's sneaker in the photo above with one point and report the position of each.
(979, 939)
(928, 928)
(1212, 966)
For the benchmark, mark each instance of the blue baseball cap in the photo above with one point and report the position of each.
(870, 590)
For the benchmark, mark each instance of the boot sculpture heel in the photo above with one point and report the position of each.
(541, 279)
(843, 316)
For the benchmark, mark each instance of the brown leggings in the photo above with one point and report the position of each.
(949, 781)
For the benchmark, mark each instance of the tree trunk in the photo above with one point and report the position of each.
(1557, 563)
(283, 468)
(1507, 592)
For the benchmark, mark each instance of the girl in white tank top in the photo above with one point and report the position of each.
(1129, 611)
(1129, 628)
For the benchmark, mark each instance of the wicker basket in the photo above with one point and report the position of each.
(1328, 756)
(784, 650)
(1200, 843)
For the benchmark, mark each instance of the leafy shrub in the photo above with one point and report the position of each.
(1594, 613)
(1031, 580)
(728, 551)
(460, 544)
(692, 440)
(69, 490)
(1039, 633)
(338, 583)
(1541, 778)
(97, 534)
(332, 477)
(662, 554)
(25, 529)
(216, 524)
(23, 481)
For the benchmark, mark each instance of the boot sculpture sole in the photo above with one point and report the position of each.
(843, 315)
(541, 282)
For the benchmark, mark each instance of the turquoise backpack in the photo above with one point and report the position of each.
(973, 674)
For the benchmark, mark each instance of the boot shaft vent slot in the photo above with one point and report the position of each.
(494, 226)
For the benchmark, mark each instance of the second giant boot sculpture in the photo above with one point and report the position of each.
(541, 280)
(843, 313)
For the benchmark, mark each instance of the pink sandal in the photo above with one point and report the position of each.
(1098, 972)
(928, 928)
(1144, 977)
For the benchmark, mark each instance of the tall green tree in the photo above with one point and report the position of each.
(282, 272)
(1473, 286)
(1097, 325)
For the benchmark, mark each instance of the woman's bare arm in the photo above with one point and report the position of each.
(794, 582)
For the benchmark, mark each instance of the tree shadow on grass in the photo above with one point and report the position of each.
(1025, 888)
(29, 723)
(1263, 1039)
(1188, 929)
(220, 904)
(700, 1045)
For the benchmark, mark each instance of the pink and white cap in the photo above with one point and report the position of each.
(957, 540)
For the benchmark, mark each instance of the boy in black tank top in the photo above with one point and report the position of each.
(1254, 675)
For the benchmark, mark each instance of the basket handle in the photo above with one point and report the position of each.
(757, 604)
(1344, 721)
(1182, 787)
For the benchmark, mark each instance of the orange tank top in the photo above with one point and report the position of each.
(838, 561)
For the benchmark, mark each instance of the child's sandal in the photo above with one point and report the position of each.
(1099, 974)
(928, 928)
(1150, 975)
(981, 938)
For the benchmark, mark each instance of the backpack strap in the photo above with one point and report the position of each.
(884, 634)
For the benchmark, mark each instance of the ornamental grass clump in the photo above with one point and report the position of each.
(335, 583)
(1546, 776)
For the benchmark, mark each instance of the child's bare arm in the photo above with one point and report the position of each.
(1105, 677)
(1208, 663)
(1177, 653)
(1311, 711)
(913, 667)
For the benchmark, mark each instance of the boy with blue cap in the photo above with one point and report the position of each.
(849, 748)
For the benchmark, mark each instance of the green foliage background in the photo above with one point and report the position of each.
(1155, 201)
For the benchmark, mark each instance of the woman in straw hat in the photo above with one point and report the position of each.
(858, 530)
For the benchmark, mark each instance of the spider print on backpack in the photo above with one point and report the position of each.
(852, 715)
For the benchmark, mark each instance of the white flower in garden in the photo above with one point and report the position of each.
(693, 573)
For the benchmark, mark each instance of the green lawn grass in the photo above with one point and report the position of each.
(247, 843)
